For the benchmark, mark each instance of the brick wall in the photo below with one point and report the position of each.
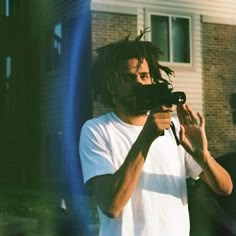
(219, 63)
(107, 28)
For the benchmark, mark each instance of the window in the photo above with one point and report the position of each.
(8, 67)
(58, 38)
(8, 81)
(172, 35)
(54, 40)
(7, 7)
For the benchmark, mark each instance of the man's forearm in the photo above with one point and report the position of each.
(113, 191)
(216, 176)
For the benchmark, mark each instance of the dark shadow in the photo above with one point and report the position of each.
(212, 214)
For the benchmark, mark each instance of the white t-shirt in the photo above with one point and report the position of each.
(158, 206)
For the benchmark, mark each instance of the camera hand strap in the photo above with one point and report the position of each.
(172, 126)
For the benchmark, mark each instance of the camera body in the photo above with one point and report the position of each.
(152, 95)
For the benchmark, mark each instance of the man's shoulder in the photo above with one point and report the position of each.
(98, 121)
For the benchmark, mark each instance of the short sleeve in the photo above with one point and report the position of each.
(94, 152)
(193, 169)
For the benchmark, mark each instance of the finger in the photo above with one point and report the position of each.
(181, 133)
(162, 119)
(162, 115)
(180, 113)
(188, 120)
(202, 119)
(156, 110)
(183, 115)
(192, 115)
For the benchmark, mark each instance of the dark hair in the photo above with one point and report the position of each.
(105, 67)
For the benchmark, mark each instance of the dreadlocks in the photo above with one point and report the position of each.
(105, 68)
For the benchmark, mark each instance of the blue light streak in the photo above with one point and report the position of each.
(77, 105)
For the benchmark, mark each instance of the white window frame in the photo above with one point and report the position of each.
(149, 13)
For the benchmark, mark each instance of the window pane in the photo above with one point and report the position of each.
(180, 39)
(53, 42)
(8, 67)
(58, 38)
(160, 35)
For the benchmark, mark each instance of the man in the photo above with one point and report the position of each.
(131, 161)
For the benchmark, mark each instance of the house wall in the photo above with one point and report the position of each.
(210, 81)
(109, 27)
(222, 9)
(58, 102)
(191, 73)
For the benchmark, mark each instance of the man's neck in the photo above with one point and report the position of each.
(138, 120)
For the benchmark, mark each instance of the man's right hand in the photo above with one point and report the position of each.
(158, 120)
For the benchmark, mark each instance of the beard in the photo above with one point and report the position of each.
(126, 101)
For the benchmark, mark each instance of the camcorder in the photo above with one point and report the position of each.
(152, 95)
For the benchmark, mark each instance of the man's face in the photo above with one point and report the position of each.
(133, 72)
